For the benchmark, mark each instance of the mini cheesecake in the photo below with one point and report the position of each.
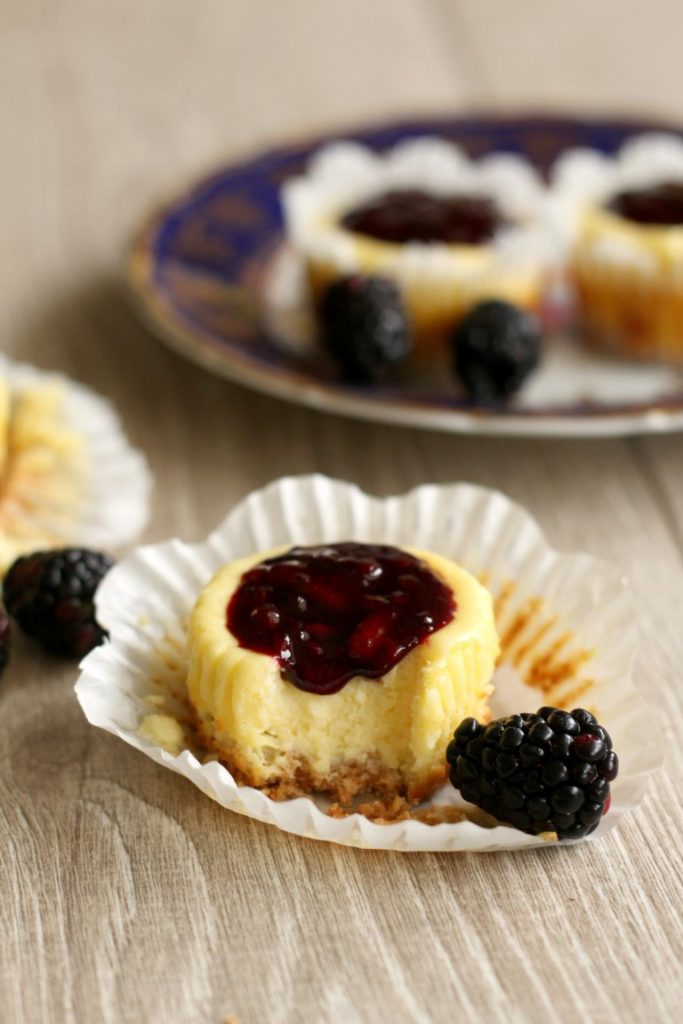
(624, 220)
(629, 273)
(341, 669)
(447, 230)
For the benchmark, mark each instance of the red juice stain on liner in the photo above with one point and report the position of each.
(334, 611)
(411, 215)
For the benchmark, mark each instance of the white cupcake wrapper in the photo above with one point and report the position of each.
(116, 479)
(572, 603)
(583, 178)
(643, 161)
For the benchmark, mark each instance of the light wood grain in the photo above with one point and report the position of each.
(127, 896)
(605, 57)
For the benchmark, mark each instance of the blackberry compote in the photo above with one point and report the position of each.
(412, 215)
(335, 611)
(659, 205)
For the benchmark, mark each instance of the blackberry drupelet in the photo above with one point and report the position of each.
(365, 326)
(548, 772)
(495, 348)
(50, 594)
(5, 639)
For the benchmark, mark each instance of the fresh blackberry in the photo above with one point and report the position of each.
(50, 594)
(5, 638)
(495, 348)
(548, 772)
(365, 326)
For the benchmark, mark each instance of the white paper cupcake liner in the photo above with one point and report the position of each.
(645, 160)
(117, 483)
(582, 178)
(566, 623)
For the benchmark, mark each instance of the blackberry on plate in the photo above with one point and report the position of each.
(365, 326)
(5, 638)
(495, 348)
(50, 595)
(543, 772)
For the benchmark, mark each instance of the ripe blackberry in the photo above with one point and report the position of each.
(548, 772)
(50, 594)
(365, 326)
(5, 638)
(495, 348)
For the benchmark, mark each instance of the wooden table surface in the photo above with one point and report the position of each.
(126, 895)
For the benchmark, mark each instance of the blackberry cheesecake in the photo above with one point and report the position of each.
(341, 668)
(42, 465)
(625, 223)
(449, 231)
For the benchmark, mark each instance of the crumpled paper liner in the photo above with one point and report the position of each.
(566, 623)
(583, 176)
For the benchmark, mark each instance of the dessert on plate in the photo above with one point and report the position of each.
(449, 231)
(339, 668)
(624, 219)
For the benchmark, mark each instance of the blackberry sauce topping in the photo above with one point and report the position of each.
(410, 215)
(335, 611)
(659, 204)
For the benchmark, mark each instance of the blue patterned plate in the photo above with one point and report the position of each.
(199, 268)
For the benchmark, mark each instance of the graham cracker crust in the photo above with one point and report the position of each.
(389, 795)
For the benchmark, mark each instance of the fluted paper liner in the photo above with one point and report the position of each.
(566, 623)
(116, 482)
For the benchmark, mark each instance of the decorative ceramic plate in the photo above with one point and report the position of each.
(566, 624)
(202, 267)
